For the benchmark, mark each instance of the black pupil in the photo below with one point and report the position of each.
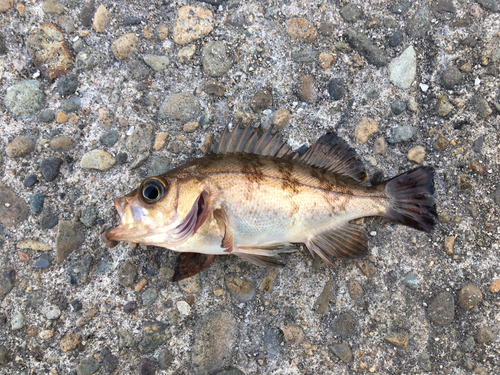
(151, 193)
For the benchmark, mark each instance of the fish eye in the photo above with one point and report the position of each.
(152, 190)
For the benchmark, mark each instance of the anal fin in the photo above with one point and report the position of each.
(264, 255)
(189, 264)
(260, 260)
(347, 241)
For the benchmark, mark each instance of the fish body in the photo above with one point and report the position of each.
(254, 198)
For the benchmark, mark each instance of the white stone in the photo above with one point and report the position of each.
(183, 307)
(403, 69)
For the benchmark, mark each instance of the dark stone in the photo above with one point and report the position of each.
(165, 359)
(131, 21)
(87, 13)
(89, 216)
(76, 305)
(69, 237)
(78, 272)
(442, 309)
(336, 88)
(48, 219)
(71, 105)
(109, 362)
(469, 41)
(13, 209)
(343, 352)
(139, 70)
(122, 157)
(351, 12)
(46, 115)
(263, 99)
(50, 168)
(43, 261)
(425, 362)
(302, 150)
(420, 24)
(444, 10)
(4, 355)
(398, 107)
(87, 366)
(359, 41)
(327, 28)
(155, 334)
(344, 325)
(401, 7)
(127, 274)
(7, 280)
(35, 299)
(36, 202)
(377, 178)
(130, 307)
(67, 84)
(30, 181)
(451, 77)
(372, 93)
(304, 55)
(484, 335)
(489, 4)
(3, 46)
(468, 344)
(394, 38)
(147, 367)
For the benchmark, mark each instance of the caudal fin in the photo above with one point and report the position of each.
(412, 198)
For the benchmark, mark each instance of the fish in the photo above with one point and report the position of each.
(253, 197)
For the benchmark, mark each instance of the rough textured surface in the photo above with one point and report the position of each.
(24, 99)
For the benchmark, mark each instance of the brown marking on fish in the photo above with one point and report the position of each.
(252, 173)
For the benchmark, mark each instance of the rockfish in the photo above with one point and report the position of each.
(252, 197)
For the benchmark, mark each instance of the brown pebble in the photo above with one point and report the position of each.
(325, 59)
(365, 128)
(61, 117)
(367, 267)
(191, 127)
(124, 46)
(355, 289)
(20, 146)
(399, 339)
(281, 118)
(441, 143)
(69, 342)
(32, 331)
(190, 299)
(484, 335)
(23, 257)
(105, 117)
(416, 154)
(141, 284)
(379, 147)
(293, 334)
(301, 29)
(469, 296)
(448, 244)
(61, 143)
(102, 17)
(305, 89)
(160, 140)
(478, 167)
(73, 118)
(495, 286)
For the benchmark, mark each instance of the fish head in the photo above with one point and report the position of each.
(161, 212)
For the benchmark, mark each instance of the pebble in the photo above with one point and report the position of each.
(398, 107)
(214, 58)
(102, 16)
(336, 88)
(61, 143)
(321, 304)
(365, 128)
(484, 335)
(464, 182)
(149, 296)
(186, 53)
(240, 289)
(20, 146)
(76, 304)
(46, 334)
(403, 69)
(469, 296)
(326, 59)
(399, 339)
(125, 339)
(50, 168)
(214, 87)
(4, 352)
(5, 5)
(87, 366)
(17, 320)
(190, 285)
(343, 352)
(444, 10)
(192, 24)
(293, 334)
(261, 100)
(351, 12)
(24, 99)
(51, 312)
(89, 216)
(411, 281)
(109, 362)
(43, 261)
(124, 46)
(379, 147)
(266, 285)
(416, 154)
(420, 24)
(394, 39)
(444, 105)
(127, 274)
(190, 127)
(481, 106)
(424, 362)
(122, 158)
(355, 289)
(165, 359)
(67, 84)
(46, 115)
(182, 107)
(87, 60)
(53, 6)
(78, 271)
(156, 34)
(48, 219)
(214, 342)
(304, 55)
(305, 89)
(281, 118)
(110, 138)
(61, 117)
(69, 238)
(468, 344)
(367, 267)
(97, 159)
(147, 367)
(13, 209)
(36, 202)
(451, 77)
(301, 29)
(344, 325)
(71, 105)
(160, 140)
(156, 62)
(489, 4)
(359, 41)
(158, 166)
(403, 134)
(155, 335)
(49, 51)
(106, 117)
(495, 286)
(30, 181)
(442, 309)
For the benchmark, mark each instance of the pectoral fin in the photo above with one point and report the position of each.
(189, 264)
(227, 239)
(345, 242)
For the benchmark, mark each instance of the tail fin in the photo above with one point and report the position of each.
(412, 198)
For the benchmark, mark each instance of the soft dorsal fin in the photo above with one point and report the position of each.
(334, 154)
(248, 140)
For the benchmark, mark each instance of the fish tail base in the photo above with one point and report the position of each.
(412, 198)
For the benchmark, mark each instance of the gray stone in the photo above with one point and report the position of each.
(165, 359)
(336, 88)
(420, 24)
(214, 341)
(125, 340)
(43, 261)
(51, 312)
(239, 288)
(469, 296)
(215, 61)
(89, 216)
(139, 70)
(155, 335)
(48, 219)
(468, 344)
(4, 355)
(35, 299)
(97, 159)
(87, 366)
(359, 41)
(394, 38)
(24, 99)
(127, 274)
(71, 105)
(36, 202)
(87, 60)
(321, 304)
(398, 107)
(158, 166)
(17, 320)
(78, 271)
(403, 134)
(481, 106)
(444, 10)
(484, 335)
(411, 281)
(343, 352)
(67, 84)
(13, 209)
(110, 138)
(344, 325)
(402, 7)
(390, 23)
(3, 46)
(496, 195)
(262, 100)
(214, 87)
(304, 55)
(69, 238)
(109, 362)
(489, 4)
(147, 367)
(50, 168)
(149, 296)
(442, 309)
(403, 69)
(182, 107)
(451, 77)
(424, 362)
(157, 63)
(46, 115)
(7, 280)
(351, 12)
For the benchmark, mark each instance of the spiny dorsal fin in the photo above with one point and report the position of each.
(335, 155)
(248, 140)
